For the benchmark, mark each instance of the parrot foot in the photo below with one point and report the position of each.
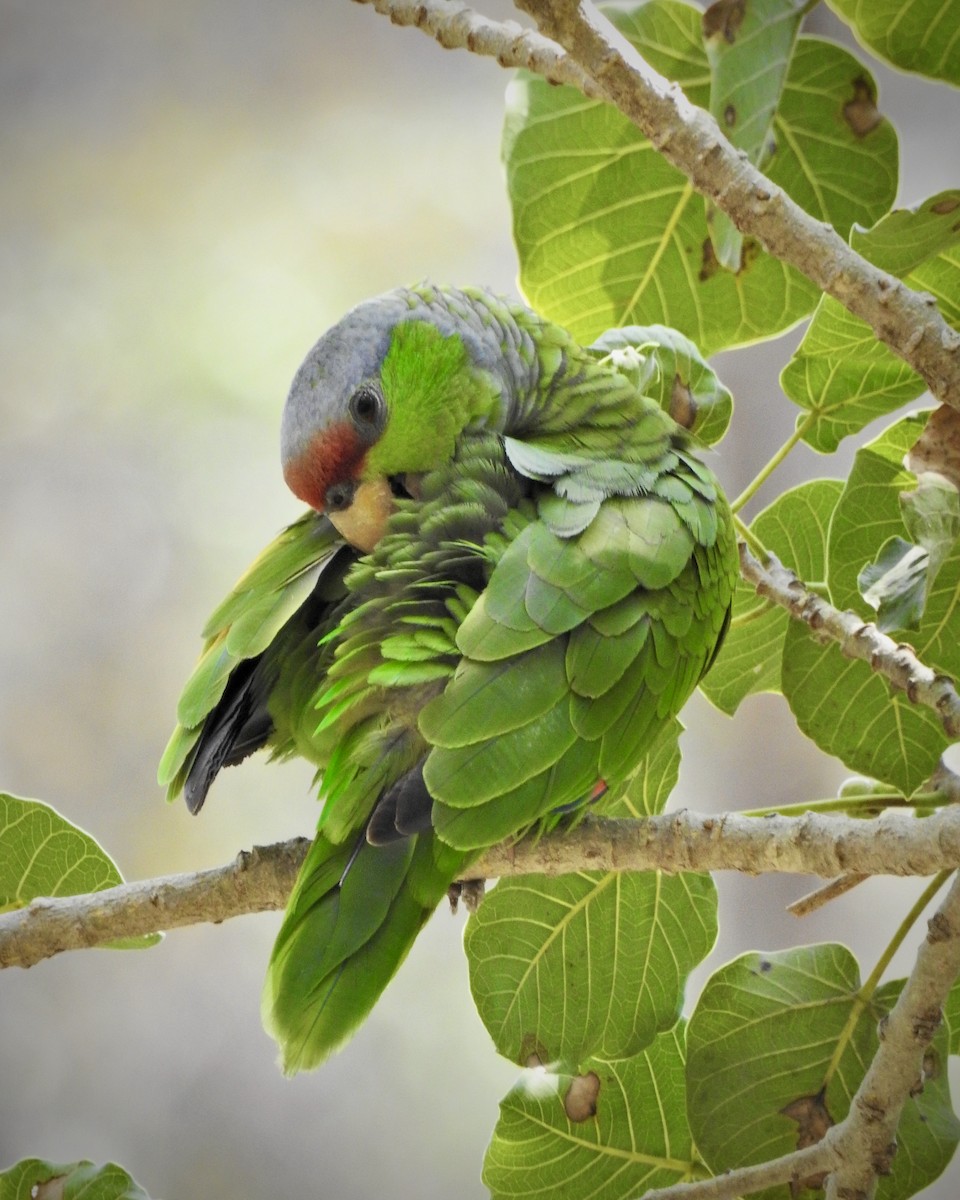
(470, 891)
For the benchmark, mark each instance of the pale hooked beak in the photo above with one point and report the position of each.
(363, 524)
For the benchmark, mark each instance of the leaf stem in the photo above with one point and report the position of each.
(903, 929)
(753, 542)
(850, 804)
(765, 472)
(865, 995)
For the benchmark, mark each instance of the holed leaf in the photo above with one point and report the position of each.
(777, 1046)
(612, 1133)
(671, 370)
(749, 47)
(609, 234)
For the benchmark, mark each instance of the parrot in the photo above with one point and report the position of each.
(512, 571)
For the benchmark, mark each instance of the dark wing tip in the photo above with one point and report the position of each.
(405, 808)
(237, 727)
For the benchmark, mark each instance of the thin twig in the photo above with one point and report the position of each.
(456, 26)
(896, 843)
(857, 638)
(820, 896)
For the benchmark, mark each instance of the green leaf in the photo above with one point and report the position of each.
(34, 1177)
(649, 788)
(844, 706)
(914, 35)
(931, 515)
(638, 1138)
(568, 966)
(951, 1015)
(851, 712)
(562, 968)
(795, 528)
(760, 1040)
(895, 584)
(841, 373)
(670, 369)
(778, 1045)
(43, 854)
(868, 511)
(609, 234)
(749, 49)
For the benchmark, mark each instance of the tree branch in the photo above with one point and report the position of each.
(864, 1140)
(861, 1146)
(259, 880)
(601, 63)
(745, 1181)
(857, 638)
(456, 26)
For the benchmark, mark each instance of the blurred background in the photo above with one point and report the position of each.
(191, 193)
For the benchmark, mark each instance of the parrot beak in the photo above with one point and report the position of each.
(363, 524)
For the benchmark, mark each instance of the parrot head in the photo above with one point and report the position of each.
(379, 400)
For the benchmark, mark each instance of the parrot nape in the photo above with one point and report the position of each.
(512, 574)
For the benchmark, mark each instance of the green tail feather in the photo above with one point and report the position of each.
(350, 922)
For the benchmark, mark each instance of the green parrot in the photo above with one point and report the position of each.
(512, 573)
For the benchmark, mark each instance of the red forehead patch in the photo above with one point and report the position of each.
(331, 456)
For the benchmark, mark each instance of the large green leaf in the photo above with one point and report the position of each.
(851, 712)
(610, 1134)
(795, 528)
(845, 707)
(562, 968)
(749, 47)
(33, 1177)
(841, 374)
(43, 854)
(610, 234)
(915, 35)
(565, 967)
(778, 1045)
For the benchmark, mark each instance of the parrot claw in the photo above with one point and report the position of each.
(470, 891)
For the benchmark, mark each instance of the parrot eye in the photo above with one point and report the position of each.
(339, 496)
(366, 408)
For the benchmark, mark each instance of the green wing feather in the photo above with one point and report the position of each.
(257, 617)
(350, 922)
(616, 620)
